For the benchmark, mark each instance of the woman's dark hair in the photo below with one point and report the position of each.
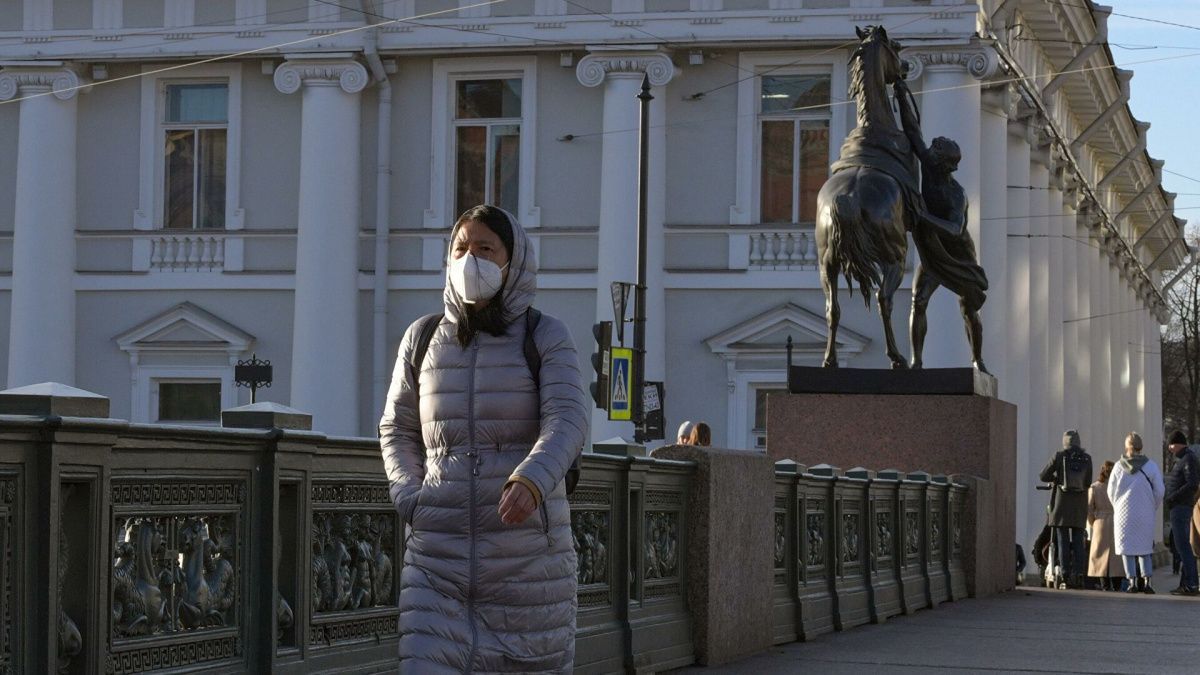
(701, 435)
(490, 318)
(1106, 470)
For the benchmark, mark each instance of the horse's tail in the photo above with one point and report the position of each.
(851, 242)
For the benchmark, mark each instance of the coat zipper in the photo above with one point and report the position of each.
(474, 456)
(546, 523)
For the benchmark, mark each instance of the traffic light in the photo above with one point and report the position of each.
(602, 331)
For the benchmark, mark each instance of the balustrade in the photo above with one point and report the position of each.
(187, 253)
(783, 250)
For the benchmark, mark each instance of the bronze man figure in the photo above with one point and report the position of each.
(947, 252)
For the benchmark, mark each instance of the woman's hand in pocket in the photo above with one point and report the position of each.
(516, 503)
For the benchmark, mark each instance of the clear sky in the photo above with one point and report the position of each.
(1165, 93)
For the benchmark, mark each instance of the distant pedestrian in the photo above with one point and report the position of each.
(684, 436)
(1070, 471)
(701, 435)
(1103, 563)
(1136, 490)
(1179, 500)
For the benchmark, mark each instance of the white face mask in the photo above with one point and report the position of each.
(476, 279)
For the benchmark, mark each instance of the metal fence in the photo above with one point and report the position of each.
(136, 548)
(858, 546)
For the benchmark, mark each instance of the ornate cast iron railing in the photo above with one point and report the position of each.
(141, 548)
(859, 546)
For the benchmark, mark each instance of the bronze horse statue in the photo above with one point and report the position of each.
(864, 208)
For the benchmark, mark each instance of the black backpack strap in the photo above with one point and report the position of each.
(426, 327)
(533, 357)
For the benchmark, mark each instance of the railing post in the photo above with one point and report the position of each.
(268, 604)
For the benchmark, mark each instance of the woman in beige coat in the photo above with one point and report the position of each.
(1103, 562)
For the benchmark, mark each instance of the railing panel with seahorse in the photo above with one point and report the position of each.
(171, 549)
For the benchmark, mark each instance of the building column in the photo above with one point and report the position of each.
(1100, 381)
(1069, 344)
(325, 345)
(1137, 357)
(998, 104)
(950, 101)
(1042, 444)
(621, 73)
(1080, 335)
(1103, 322)
(1153, 374)
(1055, 371)
(42, 319)
(1014, 382)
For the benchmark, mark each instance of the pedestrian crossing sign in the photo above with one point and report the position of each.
(620, 382)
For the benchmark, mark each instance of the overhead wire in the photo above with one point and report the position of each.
(248, 52)
(414, 20)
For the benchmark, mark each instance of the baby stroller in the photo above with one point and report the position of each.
(1045, 549)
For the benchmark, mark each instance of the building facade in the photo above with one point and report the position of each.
(191, 183)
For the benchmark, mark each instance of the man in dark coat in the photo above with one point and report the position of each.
(1071, 474)
(1181, 483)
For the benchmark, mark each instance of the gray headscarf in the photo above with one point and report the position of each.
(521, 286)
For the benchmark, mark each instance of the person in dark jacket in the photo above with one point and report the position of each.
(1181, 483)
(1070, 471)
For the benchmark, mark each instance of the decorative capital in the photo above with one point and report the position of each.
(594, 68)
(348, 74)
(40, 78)
(980, 61)
(1001, 97)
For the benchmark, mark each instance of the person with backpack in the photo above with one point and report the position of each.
(1179, 498)
(484, 417)
(1070, 472)
(1135, 489)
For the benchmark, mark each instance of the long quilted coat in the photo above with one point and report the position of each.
(476, 595)
(1135, 488)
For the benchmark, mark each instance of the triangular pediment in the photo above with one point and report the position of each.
(185, 327)
(768, 332)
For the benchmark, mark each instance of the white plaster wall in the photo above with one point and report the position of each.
(12, 15)
(287, 11)
(700, 189)
(143, 13)
(107, 148)
(103, 368)
(566, 197)
(270, 153)
(411, 143)
(70, 14)
(218, 12)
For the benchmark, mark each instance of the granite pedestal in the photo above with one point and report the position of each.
(959, 430)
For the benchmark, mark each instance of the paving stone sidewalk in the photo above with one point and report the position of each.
(1028, 630)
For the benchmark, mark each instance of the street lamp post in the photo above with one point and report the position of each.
(639, 293)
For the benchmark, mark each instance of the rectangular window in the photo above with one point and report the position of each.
(793, 145)
(487, 141)
(189, 401)
(194, 132)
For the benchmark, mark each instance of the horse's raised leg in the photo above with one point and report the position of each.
(893, 273)
(833, 312)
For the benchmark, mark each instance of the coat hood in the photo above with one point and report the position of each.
(1132, 464)
(520, 287)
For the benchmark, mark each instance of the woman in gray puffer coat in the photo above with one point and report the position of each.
(476, 452)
